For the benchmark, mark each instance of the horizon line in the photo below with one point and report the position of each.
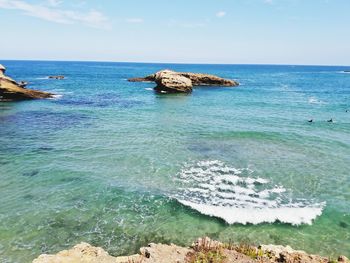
(178, 63)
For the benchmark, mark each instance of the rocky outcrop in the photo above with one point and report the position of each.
(203, 250)
(10, 90)
(169, 81)
(199, 79)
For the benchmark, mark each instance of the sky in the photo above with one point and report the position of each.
(308, 32)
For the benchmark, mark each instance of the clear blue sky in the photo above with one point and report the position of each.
(198, 31)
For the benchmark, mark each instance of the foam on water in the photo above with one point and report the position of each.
(56, 97)
(235, 195)
(314, 100)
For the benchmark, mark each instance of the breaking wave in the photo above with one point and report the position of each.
(235, 195)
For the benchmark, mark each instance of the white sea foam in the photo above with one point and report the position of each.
(314, 100)
(215, 189)
(244, 215)
(56, 97)
(148, 88)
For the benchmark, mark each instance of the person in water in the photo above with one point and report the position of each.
(330, 120)
(311, 120)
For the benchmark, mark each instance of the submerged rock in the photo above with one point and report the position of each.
(10, 90)
(171, 81)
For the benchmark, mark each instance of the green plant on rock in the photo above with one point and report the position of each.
(207, 257)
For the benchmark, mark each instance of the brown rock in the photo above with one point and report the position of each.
(343, 258)
(11, 90)
(202, 248)
(199, 79)
(83, 253)
(170, 82)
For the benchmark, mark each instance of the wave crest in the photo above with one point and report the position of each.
(215, 189)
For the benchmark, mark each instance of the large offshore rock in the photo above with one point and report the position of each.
(172, 81)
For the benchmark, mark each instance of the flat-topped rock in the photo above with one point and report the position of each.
(10, 90)
(169, 81)
(199, 79)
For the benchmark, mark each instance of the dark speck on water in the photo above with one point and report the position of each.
(31, 173)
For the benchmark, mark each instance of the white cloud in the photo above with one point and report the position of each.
(53, 14)
(134, 20)
(220, 14)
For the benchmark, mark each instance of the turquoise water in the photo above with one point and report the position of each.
(114, 164)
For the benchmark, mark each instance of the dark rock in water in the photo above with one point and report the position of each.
(10, 90)
(22, 84)
(343, 224)
(56, 77)
(31, 173)
(169, 81)
(145, 79)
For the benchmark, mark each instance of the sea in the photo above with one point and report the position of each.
(114, 164)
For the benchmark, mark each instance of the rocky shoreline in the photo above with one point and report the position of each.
(203, 250)
(169, 81)
(11, 90)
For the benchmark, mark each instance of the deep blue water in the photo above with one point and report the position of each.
(112, 163)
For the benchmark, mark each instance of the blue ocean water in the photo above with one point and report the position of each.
(114, 164)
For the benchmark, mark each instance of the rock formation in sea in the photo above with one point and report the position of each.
(169, 81)
(10, 90)
(203, 250)
(56, 77)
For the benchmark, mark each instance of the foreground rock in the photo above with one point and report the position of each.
(203, 250)
(171, 81)
(10, 90)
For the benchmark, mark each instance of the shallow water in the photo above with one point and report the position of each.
(112, 163)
